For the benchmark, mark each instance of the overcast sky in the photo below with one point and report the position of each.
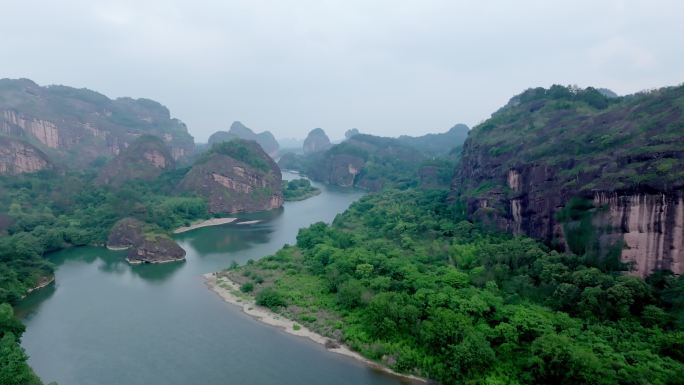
(385, 67)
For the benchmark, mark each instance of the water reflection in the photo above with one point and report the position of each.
(156, 273)
(106, 322)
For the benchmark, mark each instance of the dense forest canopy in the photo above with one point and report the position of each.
(405, 279)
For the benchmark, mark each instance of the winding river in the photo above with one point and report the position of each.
(106, 322)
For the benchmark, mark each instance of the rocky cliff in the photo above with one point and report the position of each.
(526, 168)
(17, 156)
(238, 130)
(236, 176)
(316, 141)
(146, 158)
(77, 126)
(143, 243)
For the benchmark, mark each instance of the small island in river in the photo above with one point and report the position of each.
(299, 190)
(143, 244)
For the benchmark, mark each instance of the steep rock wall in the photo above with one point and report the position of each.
(77, 126)
(647, 226)
(650, 228)
(17, 157)
(231, 185)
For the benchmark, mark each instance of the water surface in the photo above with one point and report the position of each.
(106, 322)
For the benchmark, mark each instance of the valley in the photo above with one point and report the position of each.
(541, 246)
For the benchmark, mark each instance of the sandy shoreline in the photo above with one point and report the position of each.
(45, 282)
(248, 222)
(229, 291)
(208, 222)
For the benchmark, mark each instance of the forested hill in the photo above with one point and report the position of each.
(405, 279)
(76, 127)
(238, 130)
(373, 163)
(584, 172)
(438, 144)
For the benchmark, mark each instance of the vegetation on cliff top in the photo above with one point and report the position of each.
(439, 144)
(243, 150)
(594, 141)
(397, 279)
(238, 130)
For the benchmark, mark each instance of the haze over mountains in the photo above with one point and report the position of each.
(587, 175)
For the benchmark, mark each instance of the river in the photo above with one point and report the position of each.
(106, 322)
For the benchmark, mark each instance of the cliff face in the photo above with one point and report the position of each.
(238, 130)
(125, 233)
(624, 157)
(649, 227)
(76, 126)
(18, 157)
(144, 159)
(156, 249)
(316, 141)
(236, 176)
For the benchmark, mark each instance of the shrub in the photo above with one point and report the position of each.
(270, 298)
(247, 287)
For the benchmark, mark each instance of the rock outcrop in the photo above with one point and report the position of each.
(236, 176)
(146, 158)
(144, 245)
(623, 158)
(156, 249)
(78, 126)
(238, 130)
(17, 157)
(316, 141)
(125, 233)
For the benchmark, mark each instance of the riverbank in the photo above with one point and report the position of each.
(43, 282)
(229, 291)
(206, 223)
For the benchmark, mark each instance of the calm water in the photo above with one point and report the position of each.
(105, 322)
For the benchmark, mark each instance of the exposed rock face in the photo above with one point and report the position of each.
(316, 141)
(238, 130)
(145, 159)
(156, 250)
(238, 177)
(125, 233)
(521, 169)
(650, 227)
(129, 233)
(76, 126)
(344, 169)
(17, 157)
